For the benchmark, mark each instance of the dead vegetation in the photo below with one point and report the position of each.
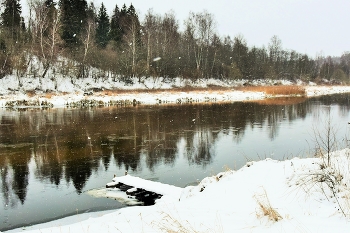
(330, 176)
(173, 223)
(280, 101)
(209, 89)
(276, 90)
(269, 90)
(265, 208)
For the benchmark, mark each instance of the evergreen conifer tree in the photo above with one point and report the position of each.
(133, 23)
(102, 30)
(115, 32)
(11, 20)
(123, 20)
(73, 18)
(91, 12)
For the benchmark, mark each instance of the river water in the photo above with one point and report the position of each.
(50, 159)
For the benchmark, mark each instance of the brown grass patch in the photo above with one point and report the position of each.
(275, 90)
(31, 93)
(49, 95)
(281, 101)
(172, 90)
(266, 208)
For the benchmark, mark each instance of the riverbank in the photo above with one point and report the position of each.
(175, 95)
(46, 93)
(265, 196)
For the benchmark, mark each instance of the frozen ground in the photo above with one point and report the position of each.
(298, 195)
(61, 92)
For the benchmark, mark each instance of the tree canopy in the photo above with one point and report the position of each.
(123, 46)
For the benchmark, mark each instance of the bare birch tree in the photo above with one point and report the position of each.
(45, 26)
(201, 27)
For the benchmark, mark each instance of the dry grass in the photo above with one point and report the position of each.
(211, 88)
(275, 90)
(346, 204)
(174, 224)
(280, 101)
(171, 224)
(265, 207)
(227, 168)
(31, 93)
(49, 95)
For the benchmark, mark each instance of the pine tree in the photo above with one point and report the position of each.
(115, 32)
(11, 19)
(73, 18)
(102, 30)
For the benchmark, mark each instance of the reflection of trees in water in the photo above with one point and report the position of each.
(106, 152)
(20, 180)
(47, 158)
(14, 176)
(8, 191)
(79, 163)
(71, 144)
(270, 116)
(198, 150)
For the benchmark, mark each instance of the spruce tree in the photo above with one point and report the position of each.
(102, 29)
(115, 32)
(91, 12)
(73, 18)
(123, 19)
(133, 23)
(11, 20)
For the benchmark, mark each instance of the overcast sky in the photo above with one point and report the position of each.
(307, 26)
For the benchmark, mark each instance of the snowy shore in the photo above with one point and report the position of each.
(69, 92)
(264, 196)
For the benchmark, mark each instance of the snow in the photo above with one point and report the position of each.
(231, 202)
(67, 91)
(157, 187)
(326, 90)
(298, 190)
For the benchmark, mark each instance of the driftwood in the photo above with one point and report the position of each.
(142, 195)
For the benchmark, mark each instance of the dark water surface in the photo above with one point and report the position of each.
(49, 159)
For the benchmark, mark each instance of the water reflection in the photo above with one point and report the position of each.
(69, 145)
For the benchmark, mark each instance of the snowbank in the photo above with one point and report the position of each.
(72, 92)
(326, 90)
(264, 196)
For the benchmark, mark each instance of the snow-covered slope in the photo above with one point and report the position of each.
(66, 91)
(265, 196)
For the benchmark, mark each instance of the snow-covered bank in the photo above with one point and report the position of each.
(298, 195)
(63, 92)
(325, 90)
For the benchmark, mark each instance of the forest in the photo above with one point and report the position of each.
(75, 38)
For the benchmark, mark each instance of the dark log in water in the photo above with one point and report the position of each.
(140, 194)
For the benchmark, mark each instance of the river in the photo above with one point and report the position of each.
(51, 158)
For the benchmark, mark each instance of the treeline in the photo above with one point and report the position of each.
(121, 46)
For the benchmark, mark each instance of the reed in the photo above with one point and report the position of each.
(211, 88)
(265, 207)
(276, 90)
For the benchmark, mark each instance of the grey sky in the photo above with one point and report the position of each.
(307, 26)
